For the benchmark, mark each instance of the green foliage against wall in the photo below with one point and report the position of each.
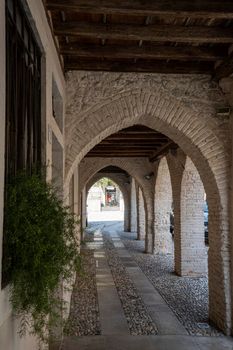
(104, 182)
(41, 249)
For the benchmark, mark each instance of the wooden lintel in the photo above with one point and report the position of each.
(159, 52)
(125, 149)
(135, 155)
(136, 136)
(168, 8)
(125, 144)
(155, 33)
(172, 67)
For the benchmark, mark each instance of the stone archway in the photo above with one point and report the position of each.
(124, 190)
(137, 169)
(201, 136)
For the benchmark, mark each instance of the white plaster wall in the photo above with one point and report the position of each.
(51, 69)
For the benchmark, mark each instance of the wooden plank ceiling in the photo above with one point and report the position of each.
(135, 141)
(165, 36)
(113, 170)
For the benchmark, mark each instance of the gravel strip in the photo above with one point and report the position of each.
(187, 297)
(84, 310)
(138, 318)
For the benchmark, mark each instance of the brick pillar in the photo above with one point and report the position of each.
(163, 243)
(176, 164)
(141, 219)
(193, 254)
(84, 210)
(76, 192)
(133, 206)
(149, 215)
(126, 211)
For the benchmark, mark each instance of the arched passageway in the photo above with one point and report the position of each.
(105, 202)
(136, 168)
(121, 180)
(65, 96)
(198, 137)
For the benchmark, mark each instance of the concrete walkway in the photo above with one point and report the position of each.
(115, 333)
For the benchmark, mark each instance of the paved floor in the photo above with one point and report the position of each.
(115, 333)
(101, 216)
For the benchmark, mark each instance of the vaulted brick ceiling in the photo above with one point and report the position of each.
(168, 36)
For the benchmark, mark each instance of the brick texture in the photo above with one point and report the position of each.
(163, 243)
(184, 109)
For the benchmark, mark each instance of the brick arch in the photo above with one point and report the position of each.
(199, 139)
(194, 134)
(124, 190)
(137, 169)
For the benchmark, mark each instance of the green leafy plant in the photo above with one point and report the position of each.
(41, 250)
(104, 182)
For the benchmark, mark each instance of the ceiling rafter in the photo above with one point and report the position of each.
(155, 33)
(180, 8)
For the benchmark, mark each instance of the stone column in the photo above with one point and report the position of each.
(149, 214)
(133, 205)
(84, 211)
(193, 251)
(176, 164)
(163, 243)
(126, 212)
(141, 219)
(76, 192)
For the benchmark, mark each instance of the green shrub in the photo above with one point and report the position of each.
(41, 249)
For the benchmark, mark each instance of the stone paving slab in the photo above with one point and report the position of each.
(168, 342)
(115, 333)
(161, 314)
(112, 318)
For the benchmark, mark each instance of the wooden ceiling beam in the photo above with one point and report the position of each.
(172, 67)
(117, 155)
(163, 149)
(121, 150)
(179, 8)
(130, 144)
(137, 129)
(156, 33)
(146, 52)
(125, 148)
(149, 138)
(137, 135)
(224, 69)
